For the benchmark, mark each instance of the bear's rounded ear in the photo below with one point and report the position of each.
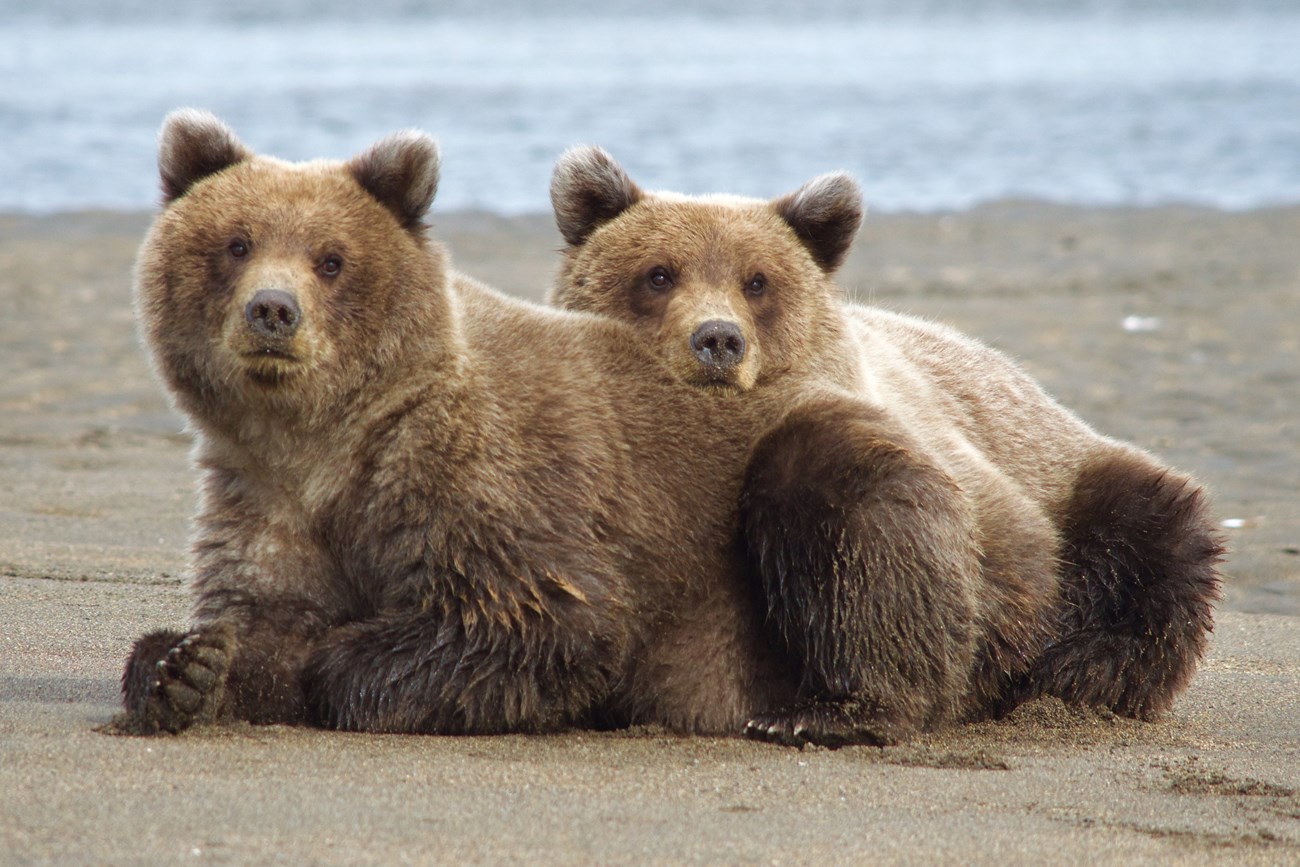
(192, 145)
(589, 188)
(825, 213)
(401, 171)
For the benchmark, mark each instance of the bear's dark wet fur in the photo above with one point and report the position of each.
(1139, 584)
(870, 568)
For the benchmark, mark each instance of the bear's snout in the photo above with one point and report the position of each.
(273, 314)
(718, 344)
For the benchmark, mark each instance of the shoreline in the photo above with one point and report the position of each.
(1005, 204)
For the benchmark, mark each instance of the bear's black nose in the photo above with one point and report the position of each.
(718, 344)
(273, 313)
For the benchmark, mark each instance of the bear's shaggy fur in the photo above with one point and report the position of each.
(426, 507)
(933, 536)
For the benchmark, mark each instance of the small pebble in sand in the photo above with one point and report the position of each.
(1241, 523)
(1140, 323)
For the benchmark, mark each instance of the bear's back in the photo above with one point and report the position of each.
(955, 389)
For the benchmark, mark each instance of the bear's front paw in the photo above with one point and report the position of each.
(174, 681)
(831, 723)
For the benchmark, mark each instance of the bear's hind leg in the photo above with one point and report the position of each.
(1140, 583)
(866, 554)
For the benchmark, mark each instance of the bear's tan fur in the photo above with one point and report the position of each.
(934, 534)
(426, 507)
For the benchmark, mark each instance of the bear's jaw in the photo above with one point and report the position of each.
(718, 379)
(271, 375)
(721, 382)
(266, 364)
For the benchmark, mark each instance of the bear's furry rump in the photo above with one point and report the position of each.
(1139, 585)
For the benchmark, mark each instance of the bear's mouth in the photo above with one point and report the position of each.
(269, 366)
(717, 380)
(271, 352)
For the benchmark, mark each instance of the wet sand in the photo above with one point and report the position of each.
(1176, 328)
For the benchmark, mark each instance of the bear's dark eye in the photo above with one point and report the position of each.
(660, 278)
(331, 265)
(238, 248)
(756, 286)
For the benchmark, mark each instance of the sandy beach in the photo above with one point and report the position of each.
(1176, 328)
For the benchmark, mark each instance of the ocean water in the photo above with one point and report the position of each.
(934, 104)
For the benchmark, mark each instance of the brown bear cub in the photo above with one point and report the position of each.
(426, 507)
(932, 535)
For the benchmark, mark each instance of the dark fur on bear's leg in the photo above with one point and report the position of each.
(433, 673)
(866, 555)
(242, 663)
(175, 680)
(1140, 585)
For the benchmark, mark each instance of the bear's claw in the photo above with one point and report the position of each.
(831, 723)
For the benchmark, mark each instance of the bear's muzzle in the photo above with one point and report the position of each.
(273, 316)
(719, 346)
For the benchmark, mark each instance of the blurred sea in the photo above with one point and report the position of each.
(934, 104)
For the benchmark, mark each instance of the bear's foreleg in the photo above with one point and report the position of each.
(867, 556)
(242, 663)
(449, 669)
(1139, 587)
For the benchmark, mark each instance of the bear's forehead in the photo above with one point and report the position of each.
(282, 196)
(691, 226)
(320, 184)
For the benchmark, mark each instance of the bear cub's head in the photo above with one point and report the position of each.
(270, 283)
(732, 290)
